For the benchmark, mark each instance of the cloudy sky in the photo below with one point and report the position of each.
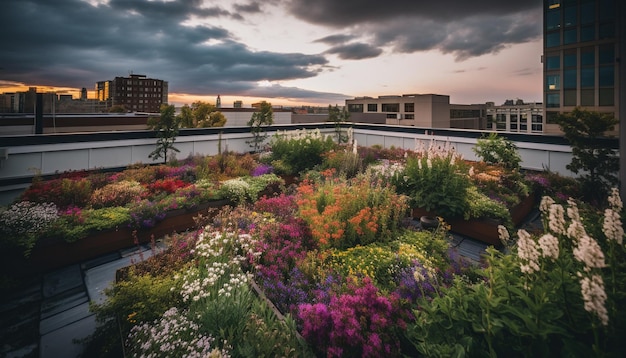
(288, 52)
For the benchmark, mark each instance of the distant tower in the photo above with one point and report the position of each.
(218, 103)
(83, 94)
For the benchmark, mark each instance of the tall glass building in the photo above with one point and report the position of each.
(581, 57)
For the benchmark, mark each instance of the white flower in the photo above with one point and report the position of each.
(594, 296)
(545, 204)
(549, 246)
(471, 171)
(556, 219)
(615, 201)
(612, 226)
(527, 252)
(589, 252)
(503, 234)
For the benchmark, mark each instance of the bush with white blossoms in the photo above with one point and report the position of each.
(173, 335)
(221, 255)
(21, 222)
(556, 293)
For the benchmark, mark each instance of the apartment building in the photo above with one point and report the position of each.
(136, 93)
(418, 110)
(581, 60)
(515, 116)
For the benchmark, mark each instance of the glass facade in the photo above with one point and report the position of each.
(580, 56)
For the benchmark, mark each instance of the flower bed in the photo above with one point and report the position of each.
(484, 230)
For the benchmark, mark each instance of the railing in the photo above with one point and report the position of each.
(22, 157)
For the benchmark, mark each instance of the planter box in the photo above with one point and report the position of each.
(485, 230)
(55, 253)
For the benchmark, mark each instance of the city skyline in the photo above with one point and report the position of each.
(288, 52)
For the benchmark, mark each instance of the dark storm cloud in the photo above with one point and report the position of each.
(355, 51)
(72, 43)
(460, 27)
(251, 7)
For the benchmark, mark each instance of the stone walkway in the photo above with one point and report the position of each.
(46, 318)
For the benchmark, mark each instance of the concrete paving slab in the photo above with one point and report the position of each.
(60, 342)
(63, 302)
(97, 279)
(64, 318)
(62, 280)
(100, 260)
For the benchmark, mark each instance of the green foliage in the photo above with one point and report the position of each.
(438, 185)
(295, 152)
(598, 164)
(495, 149)
(138, 298)
(481, 206)
(344, 161)
(510, 310)
(262, 118)
(166, 127)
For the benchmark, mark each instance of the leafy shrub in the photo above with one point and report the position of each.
(495, 149)
(436, 183)
(116, 194)
(63, 192)
(297, 151)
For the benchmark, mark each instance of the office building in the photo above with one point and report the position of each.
(581, 60)
(418, 110)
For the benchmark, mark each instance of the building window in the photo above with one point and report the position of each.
(553, 39)
(587, 56)
(501, 121)
(553, 100)
(606, 54)
(409, 107)
(551, 117)
(537, 123)
(607, 30)
(553, 19)
(588, 13)
(569, 79)
(553, 62)
(372, 107)
(569, 60)
(355, 108)
(606, 76)
(569, 97)
(409, 116)
(607, 10)
(570, 36)
(523, 122)
(391, 107)
(570, 15)
(553, 82)
(606, 97)
(587, 97)
(490, 121)
(587, 77)
(587, 33)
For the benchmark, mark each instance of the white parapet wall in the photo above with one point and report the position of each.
(22, 157)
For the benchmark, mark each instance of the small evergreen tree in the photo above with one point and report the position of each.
(166, 127)
(260, 119)
(598, 165)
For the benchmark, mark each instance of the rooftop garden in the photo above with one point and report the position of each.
(335, 264)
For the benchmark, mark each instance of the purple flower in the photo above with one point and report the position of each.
(262, 169)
